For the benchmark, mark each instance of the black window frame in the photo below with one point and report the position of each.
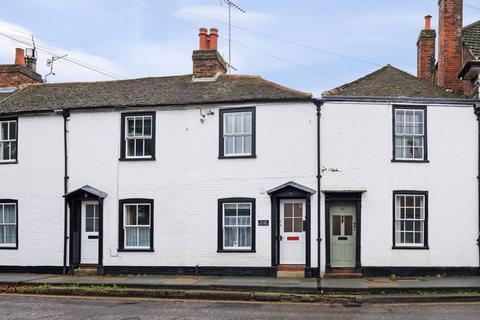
(425, 235)
(123, 151)
(121, 234)
(221, 151)
(425, 134)
(13, 161)
(220, 239)
(3, 201)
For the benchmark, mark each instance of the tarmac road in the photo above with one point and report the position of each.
(51, 308)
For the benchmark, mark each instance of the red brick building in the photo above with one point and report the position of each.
(458, 61)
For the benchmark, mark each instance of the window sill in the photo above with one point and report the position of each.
(136, 159)
(8, 162)
(9, 248)
(253, 156)
(236, 251)
(411, 161)
(135, 250)
(410, 248)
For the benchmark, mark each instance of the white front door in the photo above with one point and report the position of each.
(342, 235)
(292, 237)
(89, 236)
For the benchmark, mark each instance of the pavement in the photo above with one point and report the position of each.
(81, 308)
(312, 285)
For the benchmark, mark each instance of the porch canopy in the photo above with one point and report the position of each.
(86, 192)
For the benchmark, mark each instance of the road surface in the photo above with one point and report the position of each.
(52, 308)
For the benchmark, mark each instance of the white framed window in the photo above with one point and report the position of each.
(8, 140)
(410, 219)
(237, 137)
(138, 136)
(8, 225)
(137, 226)
(410, 134)
(236, 224)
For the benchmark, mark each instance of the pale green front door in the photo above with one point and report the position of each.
(342, 235)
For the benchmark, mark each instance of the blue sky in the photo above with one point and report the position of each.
(139, 38)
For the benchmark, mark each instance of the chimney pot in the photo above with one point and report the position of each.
(20, 56)
(213, 39)
(203, 37)
(428, 22)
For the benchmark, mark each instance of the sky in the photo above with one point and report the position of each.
(310, 45)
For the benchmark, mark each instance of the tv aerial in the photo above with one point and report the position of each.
(231, 5)
(50, 62)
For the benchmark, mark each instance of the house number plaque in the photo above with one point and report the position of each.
(263, 223)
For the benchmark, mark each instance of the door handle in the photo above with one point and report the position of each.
(280, 238)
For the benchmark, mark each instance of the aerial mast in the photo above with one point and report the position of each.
(230, 5)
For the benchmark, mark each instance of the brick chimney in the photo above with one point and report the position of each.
(16, 75)
(426, 51)
(450, 44)
(207, 62)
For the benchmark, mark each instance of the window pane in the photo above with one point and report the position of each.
(229, 145)
(6, 151)
(288, 209)
(248, 144)
(247, 122)
(143, 215)
(3, 130)
(408, 225)
(2, 234)
(238, 144)
(13, 130)
(409, 237)
(13, 150)
(138, 126)
(9, 213)
(89, 225)
(238, 123)
(288, 225)
(244, 237)
(130, 127)
(348, 226)
(148, 126)
(144, 237)
(131, 236)
(297, 224)
(148, 147)
(90, 210)
(418, 153)
(228, 122)
(131, 147)
(10, 234)
(409, 213)
(336, 225)
(230, 237)
(399, 153)
(131, 215)
(419, 201)
(298, 210)
(409, 201)
(139, 147)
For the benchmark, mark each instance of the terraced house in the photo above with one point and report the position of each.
(221, 174)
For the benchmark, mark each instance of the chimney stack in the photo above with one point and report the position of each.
(207, 62)
(426, 51)
(18, 74)
(450, 44)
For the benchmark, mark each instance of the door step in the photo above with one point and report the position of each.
(86, 271)
(291, 271)
(343, 273)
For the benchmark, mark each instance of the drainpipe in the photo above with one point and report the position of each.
(66, 116)
(477, 113)
(319, 104)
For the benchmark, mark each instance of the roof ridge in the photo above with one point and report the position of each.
(282, 87)
(473, 24)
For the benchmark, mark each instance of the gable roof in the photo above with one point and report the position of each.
(158, 91)
(471, 38)
(392, 82)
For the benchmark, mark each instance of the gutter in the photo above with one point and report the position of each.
(66, 115)
(319, 104)
(455, 101)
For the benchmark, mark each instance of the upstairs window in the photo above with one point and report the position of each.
(410, 137)
(237, 133)
(410, 219)
(138, 136)
(8, 224)
(8, 140)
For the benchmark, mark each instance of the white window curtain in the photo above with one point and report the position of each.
(8, 224)
(237, 225)
(137, 225)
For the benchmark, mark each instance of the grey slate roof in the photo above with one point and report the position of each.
(159, 91)
(89, 189)
(392, 82)
(471, 38)
(293, 185)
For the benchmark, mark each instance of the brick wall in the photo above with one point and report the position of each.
(426, 54)
(13, 75)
